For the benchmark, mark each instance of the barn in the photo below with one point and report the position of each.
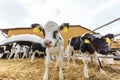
(74, 30)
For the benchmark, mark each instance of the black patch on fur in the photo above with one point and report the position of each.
(43, 32)
(55, 34)
(34, 25)
(39, 47)
(63, 25)
(75, 42)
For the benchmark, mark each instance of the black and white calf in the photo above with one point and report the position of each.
(90, 44)
(8, 48)
(18, 50)
(54, 44)
(36, 48)
(94, 44)
(73, 48)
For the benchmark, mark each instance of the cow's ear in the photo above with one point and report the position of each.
(109, 37)
(86, 38)
(64, 27)
(37, 27)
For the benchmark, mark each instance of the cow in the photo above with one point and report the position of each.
(8, 48)
(25, 50)
(12, 49)
(90, 44)
(36, 48)
(73, 48)
(94, 44)
(54, 44)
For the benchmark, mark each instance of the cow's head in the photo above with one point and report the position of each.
(51, 32)
(98, 42)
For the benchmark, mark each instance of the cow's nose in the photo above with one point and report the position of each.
(47, 42)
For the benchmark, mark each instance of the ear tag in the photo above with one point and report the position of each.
(108, 40)
(65, 29)
(86, 41)
(36, 29)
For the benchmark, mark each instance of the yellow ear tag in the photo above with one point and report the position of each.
(108, 40)
(65, 29)
(36, 30)
(87, 41)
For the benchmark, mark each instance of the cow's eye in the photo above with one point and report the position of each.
(55, 34)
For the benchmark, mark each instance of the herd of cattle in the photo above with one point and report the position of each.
(53, 45)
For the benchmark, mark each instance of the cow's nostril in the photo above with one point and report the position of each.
(47, 42)
(50, 42)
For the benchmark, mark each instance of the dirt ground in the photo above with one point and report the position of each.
(25, 70)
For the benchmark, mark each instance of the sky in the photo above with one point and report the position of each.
(87, 13)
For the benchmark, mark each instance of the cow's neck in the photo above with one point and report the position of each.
(57, 40)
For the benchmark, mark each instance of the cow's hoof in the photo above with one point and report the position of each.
(45, 78)
(102, 72)
(61, 78)
(86, 76)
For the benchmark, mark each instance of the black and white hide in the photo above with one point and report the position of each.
(73, 48)
(37, 48)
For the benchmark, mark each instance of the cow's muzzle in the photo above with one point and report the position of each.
(47, 43)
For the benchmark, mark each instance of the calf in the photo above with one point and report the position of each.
(54, 44)
(21, 51)
(93, 44)
(36, 48)
(72, 48)
(8, 48)
(25, 50)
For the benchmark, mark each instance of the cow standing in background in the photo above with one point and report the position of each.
(89, 44)
(36, 48)
(93, 44)
(54, 44)
(12, 50)
(73, 48)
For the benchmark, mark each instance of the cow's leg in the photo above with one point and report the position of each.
(8, 54)
(68, 57)
(16, 56)
(99, 63)
(11, 54)
(59, 63)
(47, 65)
(1, 55)
(85, 62)
(32, 57)
(24, 54)
(73, 58)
